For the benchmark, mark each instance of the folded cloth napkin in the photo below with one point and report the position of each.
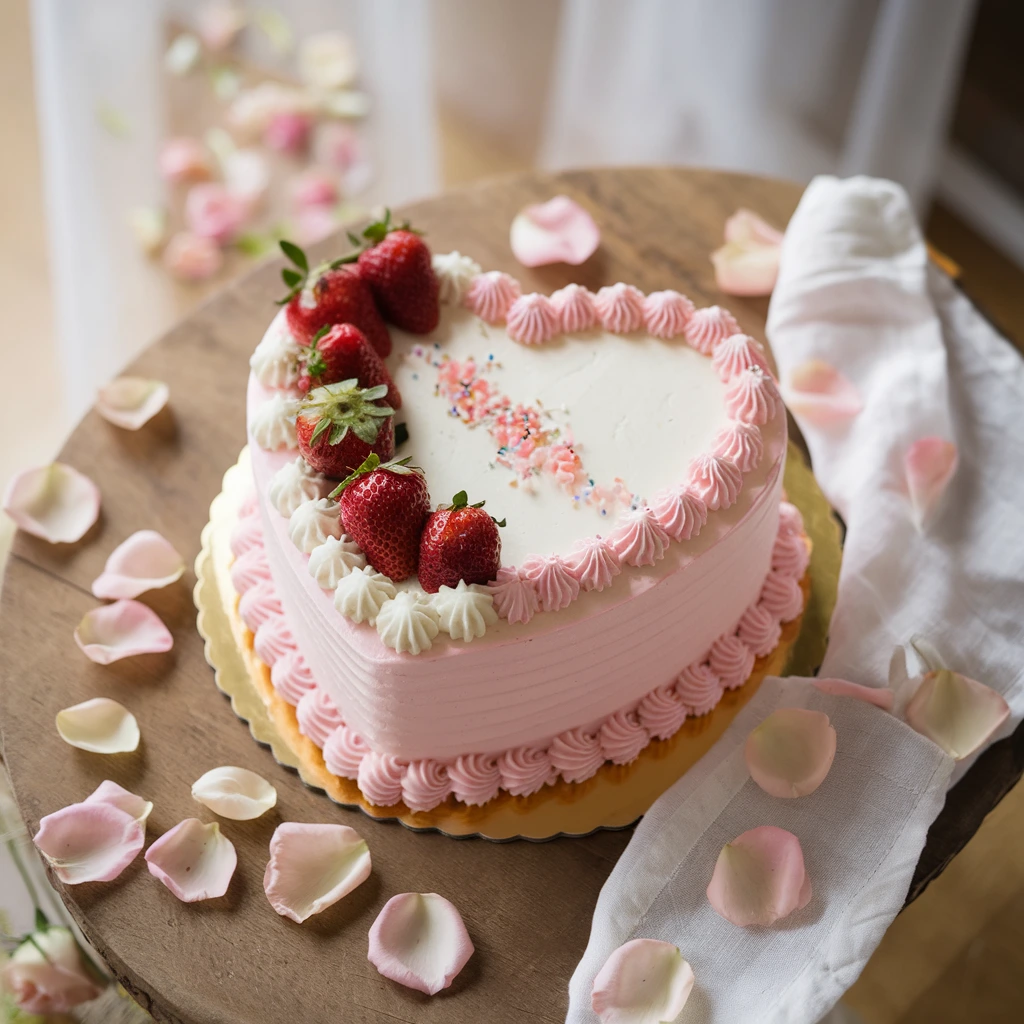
(855, 290)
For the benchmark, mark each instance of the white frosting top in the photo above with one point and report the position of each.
(466, 611)
(275, 363)
(334, 559)
(407, 624)
(294, 483)
(313, 522)
(361, 594)
(454, 272)
(273, 423)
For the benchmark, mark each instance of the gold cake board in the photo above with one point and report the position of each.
(614, 798)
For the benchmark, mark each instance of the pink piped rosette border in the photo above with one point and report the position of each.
(574, 755)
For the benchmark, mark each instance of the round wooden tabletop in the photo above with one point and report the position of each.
(233, 960)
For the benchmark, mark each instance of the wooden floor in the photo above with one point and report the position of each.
(955, 955)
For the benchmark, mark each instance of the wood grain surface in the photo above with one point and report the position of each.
(234, 961)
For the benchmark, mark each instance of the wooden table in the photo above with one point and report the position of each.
(234, 961)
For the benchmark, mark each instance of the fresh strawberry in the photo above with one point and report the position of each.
(330, 294)
(459, 542)
(338, 425)
(395, 262)
(340, 352)
(383, 509)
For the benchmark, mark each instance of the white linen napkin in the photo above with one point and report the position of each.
(855, 289)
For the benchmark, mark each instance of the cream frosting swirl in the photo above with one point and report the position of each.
(464, 612)
(475, 778)
(455, 274)
(275, 361)
(680, 513)
(380, 778)
(258, 604)
(246, 534)
(361, 594)
(752, 397)
(620, 308)
(291, 677)
(407, 623)
(699, 688)
(667, 313)
(532, 319)
(790, 518)
(273, 640)
(294, 483)
(344, 752)
(333, 560)
(740, 443)
(524, 770)
(638, 537)
(759, 630)
(313, 522)
(790, 555)
(575, 307)
(250, 504)
(556, 587)
(709, 326)
(662, 712)
(622, 737)
(515, 596)
(731, 660)
(318, 717)
(735, 354)
(248, 569)
(425, 785)
(273, 423)
(491, 294)
(782, 597)
(593, 562)
(576, 754)
(717, 481)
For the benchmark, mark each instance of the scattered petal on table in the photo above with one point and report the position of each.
(183, 158)
(645, 981)
(122, 630)
(182, 55)
(957, 713)
(746, 226)
(818, 393)
(327, 61)
(558, 231)
(190, 257)
(54, 502)
(131, 402)
(193, 860)
(791, 751)
(746, 268)
(108, 792)
(145, 561)
(419, 941)
(235, 793)
(312, 867)
(149, 226)
(881, 696)
(246, 176)
(219, 24)
(760, 877)
(92, 841)
(930, 464)
(99, 725)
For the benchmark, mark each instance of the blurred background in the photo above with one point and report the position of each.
(292, 116)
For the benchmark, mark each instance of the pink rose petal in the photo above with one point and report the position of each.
(930, 464)
(183, 159)
(558, 231)
(219, 25)
(108, 792)
(881, 696)
(93, 841)
(193, 860)
(213, 212)
(131, 402)
(746, 226)
(746, 268)
(419, 941)
(145, 561)
(644, 981)
(54, 502)
(791, 751)
(818, 393)
(760, 878)
(190, 257)
(122, 630)
(957, 713)
(312, 867)
(46, 975)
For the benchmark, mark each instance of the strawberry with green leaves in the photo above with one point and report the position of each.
(459, 542)
(339, 424)
(329, 294)
(383, 508)
(339, 353)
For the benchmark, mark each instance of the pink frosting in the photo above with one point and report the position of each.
(737, 353)
(344, 752)
(249, 569)
(425, 785)
(250, 504)
(667, 313)
(258, 604)
(246, 535)
(593, 563)
(789, 555)
(782, 597)
(620, 308)
(291, 677)
(707, 327)
(752, 397)
(524, 770)
(317, 715)
(680, 513)
(515, 596)
(491, 294)
(790, 519)
(699, 688)
(532, 319)
(380, 779)
(623, 737)
(717, 481)
(759, 630)
(638, 537)
(662, 712)
(576, 753)
(475, 778)
(556, 586)
(731, 660)
(273, 640)
(575, 307)
(741, 443)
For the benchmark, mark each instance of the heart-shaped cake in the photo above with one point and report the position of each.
(630, 450)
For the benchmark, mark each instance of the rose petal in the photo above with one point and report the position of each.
(92, 841)
(235, 793)
(558, 231)
(760, 878)
(881, 696)
(419, 941)
(131, 402)
(100, 725)
(145, 561)
(957, 713)
(54, 502)
(817, 392)
(644, 981)
(746, 226)
(193, 860)
(246, 175)
(929, 464)
(312, 867)
(746, 268)
(790, 752)
(122, 630)
(108, 792)
(149, 226)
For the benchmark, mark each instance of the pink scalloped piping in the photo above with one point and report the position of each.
(620, 308)
(491, 294)
(667, 313)
(707, 327)
(575, 307)
(737, 353)
(532, 319)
